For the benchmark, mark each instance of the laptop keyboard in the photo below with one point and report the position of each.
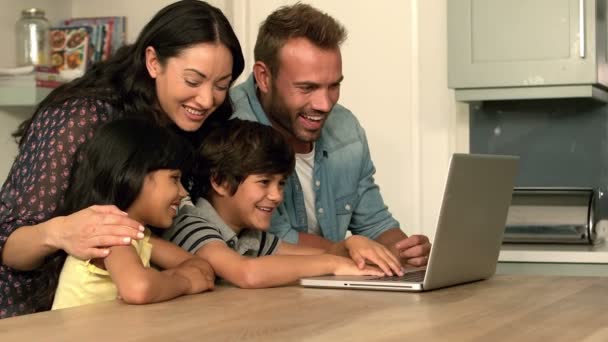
(409, 277)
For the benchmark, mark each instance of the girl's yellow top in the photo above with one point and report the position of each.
(83, 283)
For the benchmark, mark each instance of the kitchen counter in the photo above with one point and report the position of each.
(561, 260)
(596, 254)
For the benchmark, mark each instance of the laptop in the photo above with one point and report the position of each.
(469, 230)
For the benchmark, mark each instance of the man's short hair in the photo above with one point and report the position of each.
(230, 152)
(295, 21)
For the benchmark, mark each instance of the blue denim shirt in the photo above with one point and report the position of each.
(346, 196)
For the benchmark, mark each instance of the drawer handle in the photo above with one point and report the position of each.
(581, 28)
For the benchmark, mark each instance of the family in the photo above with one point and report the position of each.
(151, 176)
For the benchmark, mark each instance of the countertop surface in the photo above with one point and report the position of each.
(585, 254)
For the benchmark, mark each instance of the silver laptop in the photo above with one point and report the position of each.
(469, 231)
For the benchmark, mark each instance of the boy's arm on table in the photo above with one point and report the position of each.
(168, 256)
(275, 270)
(359, 248)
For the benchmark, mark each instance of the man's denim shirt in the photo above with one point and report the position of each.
(346, 196)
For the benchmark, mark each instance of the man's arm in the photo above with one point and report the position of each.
(390, 238)
(310, 240)
(371, 217)
(413, 250)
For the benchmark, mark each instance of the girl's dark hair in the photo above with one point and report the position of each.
(112, 166)
(230, 152)
(123, 80)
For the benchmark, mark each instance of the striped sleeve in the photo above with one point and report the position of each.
(269, 244)
(191, 232)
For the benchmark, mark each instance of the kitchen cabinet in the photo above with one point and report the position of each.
(527, 49)
(22, 96)
(553, 269)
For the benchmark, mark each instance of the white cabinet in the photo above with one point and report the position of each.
(522, 49)
(22, 96)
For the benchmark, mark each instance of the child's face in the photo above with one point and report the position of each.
(254, 202)
(159, 198)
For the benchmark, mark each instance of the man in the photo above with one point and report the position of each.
(295, 87)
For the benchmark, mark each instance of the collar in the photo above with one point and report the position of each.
(214, 218)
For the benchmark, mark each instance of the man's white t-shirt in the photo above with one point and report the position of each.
(305, 163)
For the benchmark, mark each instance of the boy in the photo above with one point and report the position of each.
(242, 167)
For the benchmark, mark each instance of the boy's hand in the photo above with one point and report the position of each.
(362, 250)
(198, 273)
(345, 266)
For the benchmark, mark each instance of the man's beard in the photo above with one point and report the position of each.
(287, 123)
(283, 121)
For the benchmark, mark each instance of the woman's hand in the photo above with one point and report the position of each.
(346, 266)
(88, 233)
(363, 250)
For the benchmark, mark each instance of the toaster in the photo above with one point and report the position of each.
(553, 216)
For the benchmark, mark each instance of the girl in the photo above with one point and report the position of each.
(136, 166)
(176, 74)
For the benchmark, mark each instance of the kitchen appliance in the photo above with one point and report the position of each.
(554, 215)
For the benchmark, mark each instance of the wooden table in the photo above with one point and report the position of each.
(504, 308)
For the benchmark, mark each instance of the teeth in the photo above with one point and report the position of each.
(265, 209)
(313, 118)
(194, 111)
(174, 207)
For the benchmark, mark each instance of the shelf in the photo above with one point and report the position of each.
(526, 93)
(22, 96)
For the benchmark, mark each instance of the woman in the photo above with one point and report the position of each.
(176, 74)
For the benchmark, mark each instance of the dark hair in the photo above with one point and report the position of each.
(295, 21)
(123, 80)
(233, 151)
(112, 166)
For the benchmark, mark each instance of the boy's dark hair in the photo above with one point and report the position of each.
(229, 153)
(112, 166)
(123, 80)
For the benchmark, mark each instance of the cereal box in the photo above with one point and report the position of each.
(70, 50)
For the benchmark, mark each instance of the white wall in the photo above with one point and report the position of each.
(442, 124)
(395, 68)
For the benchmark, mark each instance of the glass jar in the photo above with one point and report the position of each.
(32, 35)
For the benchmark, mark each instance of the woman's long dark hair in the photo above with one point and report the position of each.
(123, 79)
(112, 166)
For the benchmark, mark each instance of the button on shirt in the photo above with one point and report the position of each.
(346, 196)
